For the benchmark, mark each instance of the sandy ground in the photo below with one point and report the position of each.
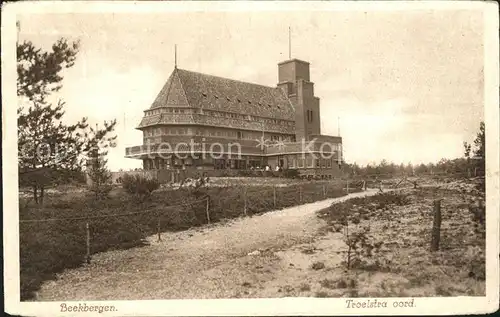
(269, 255)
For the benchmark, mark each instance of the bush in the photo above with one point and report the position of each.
(139, 186)
(289, 173)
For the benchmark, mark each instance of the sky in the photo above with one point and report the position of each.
(405, 86)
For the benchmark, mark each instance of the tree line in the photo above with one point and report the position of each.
(472, 163)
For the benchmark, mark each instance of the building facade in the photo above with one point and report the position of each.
(200, 122)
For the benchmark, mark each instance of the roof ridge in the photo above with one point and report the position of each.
(176, 70)
(225, 78)
(171, 82)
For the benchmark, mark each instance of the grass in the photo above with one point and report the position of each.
(400, 224)
(47, 248)
(304, 287)
(327, 283)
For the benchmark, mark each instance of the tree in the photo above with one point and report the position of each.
(480, 146)
(50, 151)
(467, 149)
(39, 73)
(479, 149)
(98, 173)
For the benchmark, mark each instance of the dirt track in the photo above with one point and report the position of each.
(260, 256)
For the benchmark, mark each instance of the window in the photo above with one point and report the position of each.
(301, 162)
(317, 162)
(309, 162)
(329, 163)
(309, 115)
(239, 135)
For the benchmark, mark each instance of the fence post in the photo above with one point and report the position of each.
(245, 200)
(159, 228)
(475, 171)
(436, 226)
(324, 191)
(347, 185)
(87, 230)
(364, 185)
(274, 196)
(208, 213)
(300, 193)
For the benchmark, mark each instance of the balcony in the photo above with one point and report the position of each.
(234, 147)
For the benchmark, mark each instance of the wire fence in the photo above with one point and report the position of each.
(58, 242)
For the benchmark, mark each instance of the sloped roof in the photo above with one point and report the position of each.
(191, 89)
(172, 94)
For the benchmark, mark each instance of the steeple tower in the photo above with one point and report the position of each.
(294, 80)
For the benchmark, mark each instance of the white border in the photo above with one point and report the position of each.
(248, 307)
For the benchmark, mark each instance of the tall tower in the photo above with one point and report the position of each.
(293, 78)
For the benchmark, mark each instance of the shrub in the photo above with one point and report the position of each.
(318, 266)
(478, 213)
(326, 283)
(304, 287)
(139, 186)
(290, 173)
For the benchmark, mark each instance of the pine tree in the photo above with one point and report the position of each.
(50, 152)
(97, 171)
(479, 148)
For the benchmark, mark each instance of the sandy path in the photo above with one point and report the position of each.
(208, 262)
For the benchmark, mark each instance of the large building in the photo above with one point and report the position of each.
(208, 123)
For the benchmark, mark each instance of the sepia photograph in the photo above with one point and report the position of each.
(231, 157)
